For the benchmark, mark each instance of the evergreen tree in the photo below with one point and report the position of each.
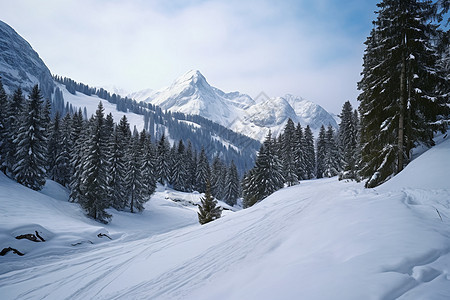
(265, 177)
(232, 189)
(135, 182)
(124, 129)
(54, 149)
(190, 167)
(250, 189)
(63, 160)
(332, 157)
(118, 169)
(79, 136)
(309, 153)
(348, 141)
(321, 153)
(29, 168)
(109, 125)
(208, 210)
(162, 161)
(179, 171)
(95, 172)
(217, 182)
(399, 95)
(203, 172)
(287, 153)
(299, 153)
(148, 166)
(4, 136)
(15, 111)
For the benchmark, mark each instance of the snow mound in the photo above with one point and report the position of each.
(430, 171)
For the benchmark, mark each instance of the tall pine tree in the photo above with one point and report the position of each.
(31, 142)
(348, 141)
(399, 95)
(95, 174)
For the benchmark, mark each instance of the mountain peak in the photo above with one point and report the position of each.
(192, 77)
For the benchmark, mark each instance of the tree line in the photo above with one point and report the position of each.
(103, 164)
(294, 156)
(157, 121)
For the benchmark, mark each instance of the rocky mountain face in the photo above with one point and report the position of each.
(192, 94)
(20, 65)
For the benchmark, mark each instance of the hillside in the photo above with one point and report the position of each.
(322, 239)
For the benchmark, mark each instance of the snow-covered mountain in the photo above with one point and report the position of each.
(20, 65)
(192, 94)
(322, 239)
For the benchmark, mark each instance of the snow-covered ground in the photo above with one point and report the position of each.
(323, 239)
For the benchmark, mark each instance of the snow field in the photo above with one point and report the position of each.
(322, 239)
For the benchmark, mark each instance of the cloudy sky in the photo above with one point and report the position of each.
(309, 48)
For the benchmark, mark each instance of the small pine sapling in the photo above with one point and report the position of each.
(208, 210)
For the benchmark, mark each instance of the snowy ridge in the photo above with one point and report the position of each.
(80, 100)
(322, 239)
(192, 94)
(20, 65)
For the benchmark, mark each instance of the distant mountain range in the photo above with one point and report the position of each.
(192, 94)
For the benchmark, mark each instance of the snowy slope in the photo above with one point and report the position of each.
(192, 94)
(323, 239)
(141, 95)
(80, 100)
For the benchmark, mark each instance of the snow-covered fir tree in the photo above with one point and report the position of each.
(299, 153)
(232, 186)
(119, 145)
(217, 178)
(265, 177)
(136, 188)
(79, 134)
(348, 141)
(203, 172)
(190, 167)
(31, 143)
(321, 153)
(399, 95)
(162, 161)
(309, 153)
(15, 111)
(208, 210)
(64, 158)
(94, 189)
(179, 175)
(332, 161)
(54, 148)
(148, 164)
(4, 136)
(287, 153)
